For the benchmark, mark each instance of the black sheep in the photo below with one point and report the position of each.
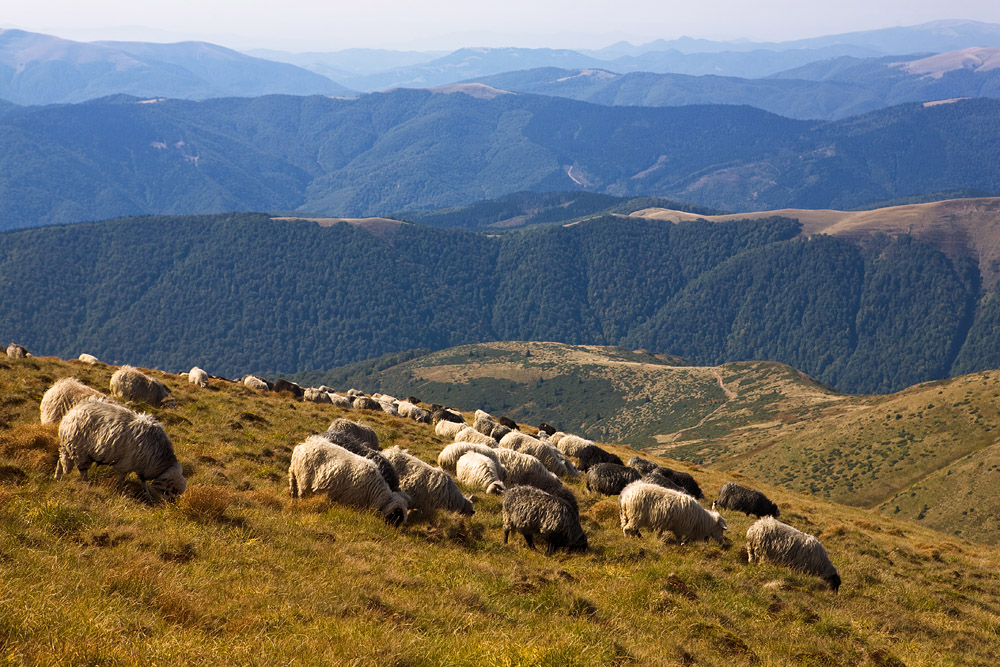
(738, 498)
(531, 512)
(592, 454)
(610, 478)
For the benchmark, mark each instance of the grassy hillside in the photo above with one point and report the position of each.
(928, 453)
(237, 572)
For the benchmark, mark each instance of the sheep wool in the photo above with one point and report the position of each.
(255, 383)
(129, 384)
(447, 429)
(733, 496)
(88, 359)
(15, 351)
(480, 472)
(198, 376)
(414, 412)
(355, 446)
(770, 541)
(610, 478)
(469, 434)
(568, 444)
(63, 396)
(530, 511)
(430, 488)
(650, 506)
(319, 466)
(550, 457)
(314, 395)
(525, 469)
(360, 431)
(102, 432)
(449, 456)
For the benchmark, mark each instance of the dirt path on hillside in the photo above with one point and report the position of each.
(730, 396)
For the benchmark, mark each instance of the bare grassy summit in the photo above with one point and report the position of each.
(238, 572)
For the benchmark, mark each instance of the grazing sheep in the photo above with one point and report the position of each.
(289, 387)
(111, 434)
(340, 400)
(508, 422)
(486, 425)
(328, 390)
(16, 351)
(445, 414)
(447, 429)
(366, 403)
(656, 477)
(769, 540)
(530, 511)
(360, 431)
(430, 488)
(354, 393)
(738, 498)
(390, 405)
(316, 396)
(256, 383)
(319, 466)
(550, 457)
(546, 429)
(414, 412)
(610, 478)
(660, 509)
(449, 456)
(88, 359)
(525, 469)
(469, 434)
(481, 472)
(345, 439)
(571, 445)
(63, 396)
(592, 454)
(128, 384)
(198, 376)
(681, 479)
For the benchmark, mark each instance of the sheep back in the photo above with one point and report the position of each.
(129, 384)
(449, 429)
(733, 496)
(481, 472)
(256, 383)
(568, 444)
(769, 540)
(609, 478)
(592, 454)
(470, 434)
(360, 431)
(449, 456)
(314, 395)
(198, 376)
(355, 446)
(62, 396)
(88, 359)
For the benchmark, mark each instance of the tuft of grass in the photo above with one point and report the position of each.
(205, 503)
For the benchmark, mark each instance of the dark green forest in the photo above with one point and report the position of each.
(413, 150)
(241, 293)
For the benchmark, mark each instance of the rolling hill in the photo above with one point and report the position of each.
(928, 454)
(42, 69)
(235, 558)
(318, 156)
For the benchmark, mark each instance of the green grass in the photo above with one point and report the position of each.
(238, 572)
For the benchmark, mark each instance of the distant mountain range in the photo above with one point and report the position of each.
(828, 89)
(41, 69)
(412, 149)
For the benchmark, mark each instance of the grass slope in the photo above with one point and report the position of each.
(237, 572)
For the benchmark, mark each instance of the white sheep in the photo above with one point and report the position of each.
(447, 429)
(255, 383)
(430, 488)
(339, 400)
(769, 540)
(316, 396)
(554, 460)
(481, 472)
(198, 376)
(449, 456)
(319, 466)
(15, 351)
(651, 506)
(130, 384)
(570, 445)
(414, 412)
(63, 396)
(469, 434)
(102, 432)
(525, 469)
(88, 359)
(390, 405)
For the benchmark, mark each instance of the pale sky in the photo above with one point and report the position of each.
(304, 25)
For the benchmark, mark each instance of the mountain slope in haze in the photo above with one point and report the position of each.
(828, 89)
(371, 155)
(41, 69)
(927, 454)
(873, 312)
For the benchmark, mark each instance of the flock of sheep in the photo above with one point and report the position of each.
(347, 464)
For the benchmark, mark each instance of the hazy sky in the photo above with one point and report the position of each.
(301, 25)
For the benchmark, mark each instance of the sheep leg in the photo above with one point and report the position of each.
(145, 488)
(63, 465)
(293, 485)
(527, 538)
(83, 472)
(506, 533)
(549, 549)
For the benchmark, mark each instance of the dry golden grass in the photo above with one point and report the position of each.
(237, 572)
